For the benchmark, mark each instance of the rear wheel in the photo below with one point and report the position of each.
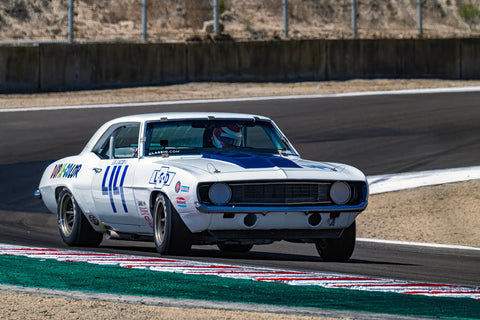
(340, 249)
(235, 248)
(171, 235)
(72, 224)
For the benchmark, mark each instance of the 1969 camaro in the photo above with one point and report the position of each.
(233, 180)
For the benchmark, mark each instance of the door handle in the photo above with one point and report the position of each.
(97, 170)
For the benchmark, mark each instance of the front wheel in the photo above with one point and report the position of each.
(171, 235)
(72, 224)
(340, 249)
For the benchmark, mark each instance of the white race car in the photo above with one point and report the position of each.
(233, 180)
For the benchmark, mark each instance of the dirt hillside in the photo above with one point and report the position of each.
(174, 20)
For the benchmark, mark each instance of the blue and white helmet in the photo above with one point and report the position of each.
(227, 137)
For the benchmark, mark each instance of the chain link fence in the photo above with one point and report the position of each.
(187, 20)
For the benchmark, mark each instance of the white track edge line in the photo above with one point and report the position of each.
(319, 96)
(418, 244)
(410, 180)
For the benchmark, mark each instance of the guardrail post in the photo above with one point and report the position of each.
(216, 26)
(354, 18)
(285, 18)
(144, 20)
(70, 21)
(420, 18)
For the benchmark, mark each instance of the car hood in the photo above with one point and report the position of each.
(249, 166)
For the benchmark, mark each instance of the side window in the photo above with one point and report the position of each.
(258, 138)
(122, 143)
(125, 142)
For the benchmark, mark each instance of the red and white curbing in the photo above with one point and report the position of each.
(327, 280)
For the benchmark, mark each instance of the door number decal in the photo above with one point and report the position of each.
(112, 184)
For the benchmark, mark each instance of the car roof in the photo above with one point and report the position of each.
(187, 115)
(169, 116)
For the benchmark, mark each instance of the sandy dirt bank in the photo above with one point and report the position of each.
(23, 306)
(218, 90)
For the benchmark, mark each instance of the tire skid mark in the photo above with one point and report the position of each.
(289, 277)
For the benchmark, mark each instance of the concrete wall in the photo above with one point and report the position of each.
(470, 59)
(100, 65)
(19, 68)
(61, 66)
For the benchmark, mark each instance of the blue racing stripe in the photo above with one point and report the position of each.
(115, 187)
(110, 192)
(104, 186)
(251, 161)
(121, 189)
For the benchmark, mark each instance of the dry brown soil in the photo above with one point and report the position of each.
(447, 214)
(211, 90)
(175, 20)
(21, 306)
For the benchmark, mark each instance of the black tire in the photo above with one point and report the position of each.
(235, 248)
(171, 235)
(340, 249)
(72, 224)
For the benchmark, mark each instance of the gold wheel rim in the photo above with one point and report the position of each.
(160, 223)
(67, 215)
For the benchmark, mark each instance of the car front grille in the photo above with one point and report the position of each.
(280, 193)
(283, 193)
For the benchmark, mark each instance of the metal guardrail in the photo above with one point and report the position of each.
(158, 20)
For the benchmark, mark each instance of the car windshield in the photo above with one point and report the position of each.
(210, 136)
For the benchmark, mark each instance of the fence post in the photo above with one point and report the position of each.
(354, 18)
(216, 26)
(144, 20)
(70, 21)
(285, 18)
(420, 18)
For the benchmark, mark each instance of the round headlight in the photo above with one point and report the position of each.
(220, 193)
(340, 192)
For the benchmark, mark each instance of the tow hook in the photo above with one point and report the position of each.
(37, 194)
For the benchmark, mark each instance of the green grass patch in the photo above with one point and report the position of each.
(468, 11)
(81, 276)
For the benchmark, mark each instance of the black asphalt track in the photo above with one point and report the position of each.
(378, 134)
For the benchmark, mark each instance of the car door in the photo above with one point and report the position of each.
(112, 184)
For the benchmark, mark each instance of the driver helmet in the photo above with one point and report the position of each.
(227, 137)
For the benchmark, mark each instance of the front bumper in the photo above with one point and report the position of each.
(264, 236)
(266, 209)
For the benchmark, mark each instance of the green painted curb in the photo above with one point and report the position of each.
(82, 276)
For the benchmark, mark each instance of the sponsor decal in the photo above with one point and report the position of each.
(331, 222)
(181, 202)
(93, 219)
(66, 170)
(145, 213)
(163, 152)
(333, 217)
(112, 183)
(162, 178)
(178, 186)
